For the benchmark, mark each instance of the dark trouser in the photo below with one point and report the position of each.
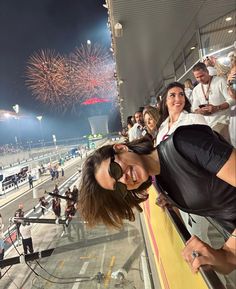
(27, 245)
(42, 210)
(80, 229)
(1, 254)
(18, 231)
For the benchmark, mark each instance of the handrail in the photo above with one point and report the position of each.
(209, 275)
(167, 235)
(146, 253)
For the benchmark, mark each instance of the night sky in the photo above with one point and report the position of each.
(26, 26)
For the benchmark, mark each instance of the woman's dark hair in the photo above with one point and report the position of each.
(129, 120)
(98, 205)
(164, 113)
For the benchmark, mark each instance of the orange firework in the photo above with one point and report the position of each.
(94, 72)
(46, 77)
(67, 81)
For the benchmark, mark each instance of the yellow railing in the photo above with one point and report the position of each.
(166, 245)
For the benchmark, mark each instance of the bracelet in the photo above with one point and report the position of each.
(218, 107)
(232, 235)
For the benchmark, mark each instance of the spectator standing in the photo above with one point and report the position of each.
(69, 214)
(52, 173)
(231, 84)
(1, 222)
(15, 181)
(56, 190)
(151, 116)
(2, 242)
(211, 99)
(56, 206)
(129, 125)
(75, 193)
(70, 210)
(56, 174)
(69, 196)
(231, 79)
(68, 192)
(210, 64)
(136, 131)
(188, 89)
(43, 204)
(175, 111)
(2, 246)
(42, 169)
(73, 215)
(25, 231)
(62, 172)
(56, 202)
(19, 213)
(79, 226)
(30, 179)
(130, 122)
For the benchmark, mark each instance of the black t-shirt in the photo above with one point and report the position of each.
(202, 147)
(189, 161)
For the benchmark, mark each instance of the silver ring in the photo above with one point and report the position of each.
(195, 254)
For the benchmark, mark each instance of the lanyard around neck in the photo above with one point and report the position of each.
(206, 94)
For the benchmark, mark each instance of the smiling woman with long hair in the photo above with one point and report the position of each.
(175, 110)
(151, 117)
(115, 178)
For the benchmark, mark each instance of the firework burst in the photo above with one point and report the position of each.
(67, 81)
(46, 77)
(94, 72)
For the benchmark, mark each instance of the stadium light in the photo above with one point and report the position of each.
(16, 108)
(39, 117)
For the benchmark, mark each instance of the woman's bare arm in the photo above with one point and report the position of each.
(228, 172)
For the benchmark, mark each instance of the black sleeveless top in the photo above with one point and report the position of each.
(189, 160)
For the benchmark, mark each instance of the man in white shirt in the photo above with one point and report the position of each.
(25, 231)
(211, 99)
(137, 129)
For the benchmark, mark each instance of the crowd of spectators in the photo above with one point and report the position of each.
(9, 149)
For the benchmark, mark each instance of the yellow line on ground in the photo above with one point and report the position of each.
(108, 275)
(112, 261)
